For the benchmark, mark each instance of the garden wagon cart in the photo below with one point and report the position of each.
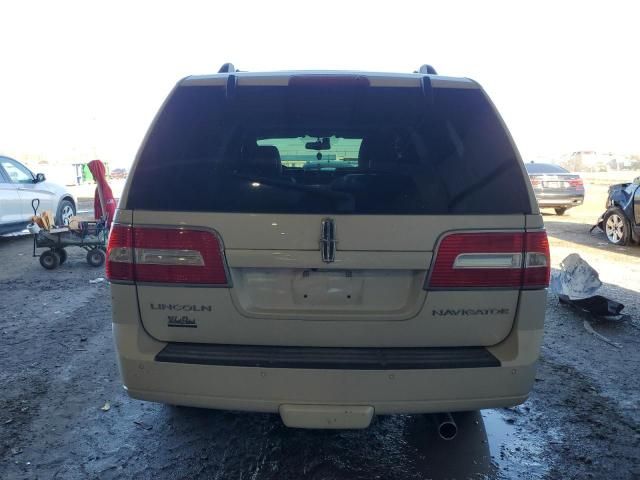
(91, 237)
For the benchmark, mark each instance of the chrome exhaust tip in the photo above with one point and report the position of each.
(446, 425)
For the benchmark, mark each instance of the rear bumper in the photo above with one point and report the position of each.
(387, 388)
(390, 380)
(327, 358)
(265, 389)
(410, 391)
(560, 200)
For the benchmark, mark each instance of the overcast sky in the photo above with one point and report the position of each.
(82, 76)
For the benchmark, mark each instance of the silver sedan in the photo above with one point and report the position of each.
(19, 186)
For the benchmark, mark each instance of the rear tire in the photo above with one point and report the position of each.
(62, 253)
(95, 257)
(616, 227)
(560, 211)
(66, 210)
(49, 260)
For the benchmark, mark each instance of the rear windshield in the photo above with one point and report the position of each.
(543, 168)
(334, 150)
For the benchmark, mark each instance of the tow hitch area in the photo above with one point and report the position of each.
(326, 416)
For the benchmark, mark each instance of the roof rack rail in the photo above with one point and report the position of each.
(427, 69)
(227, 68)
(230, 87)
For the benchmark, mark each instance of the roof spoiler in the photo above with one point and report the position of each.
(425, 82)
(424, 69)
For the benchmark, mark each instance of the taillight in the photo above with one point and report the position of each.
(576, 182)
(178, 256)
(491, 260)
(119, 265)
(537, 261)
(535, 181)
(165, 255)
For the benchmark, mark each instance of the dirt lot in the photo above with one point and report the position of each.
(58, 371)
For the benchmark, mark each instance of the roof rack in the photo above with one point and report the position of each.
(227, 68)
(427, 70)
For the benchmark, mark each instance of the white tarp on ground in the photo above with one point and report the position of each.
(576, 278)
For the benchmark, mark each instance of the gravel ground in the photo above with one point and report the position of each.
(59, 375)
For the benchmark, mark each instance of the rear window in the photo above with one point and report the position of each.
(543, 168)
(331, 150)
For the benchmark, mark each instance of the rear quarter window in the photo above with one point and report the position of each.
(333, 150)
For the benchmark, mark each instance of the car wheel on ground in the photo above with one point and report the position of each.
(95, 257)
(49, 259)
(560, 211)
(66, 210)
(616, 227)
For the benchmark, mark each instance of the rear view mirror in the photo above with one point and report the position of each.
(320, 144)
(40, 177)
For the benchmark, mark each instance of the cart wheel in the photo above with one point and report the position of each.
(62, 253)
(95, 257)
(49, 259)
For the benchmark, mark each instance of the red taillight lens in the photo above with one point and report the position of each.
(478, 260)
(535, 181)
(165, 255)
(537, 263)
(491, 260)
(178, 256)
(120, 254)
(576, 182)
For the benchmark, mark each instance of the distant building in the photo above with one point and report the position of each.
(591, 161)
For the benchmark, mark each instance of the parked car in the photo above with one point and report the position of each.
(555, 187)
(118, 173)
(621, 219)
(19, 186)
(402, 282)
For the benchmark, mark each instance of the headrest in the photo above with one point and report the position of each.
(385, 151)
(266, 160)
(375, 151)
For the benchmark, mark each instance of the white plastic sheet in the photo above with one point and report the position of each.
(576, 278)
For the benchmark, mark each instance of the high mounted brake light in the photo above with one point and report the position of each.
(491, 260)
(328, 81)
(165, 255)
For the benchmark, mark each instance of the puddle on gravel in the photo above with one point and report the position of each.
(490, 444)
(468, 455)
(515, 451)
